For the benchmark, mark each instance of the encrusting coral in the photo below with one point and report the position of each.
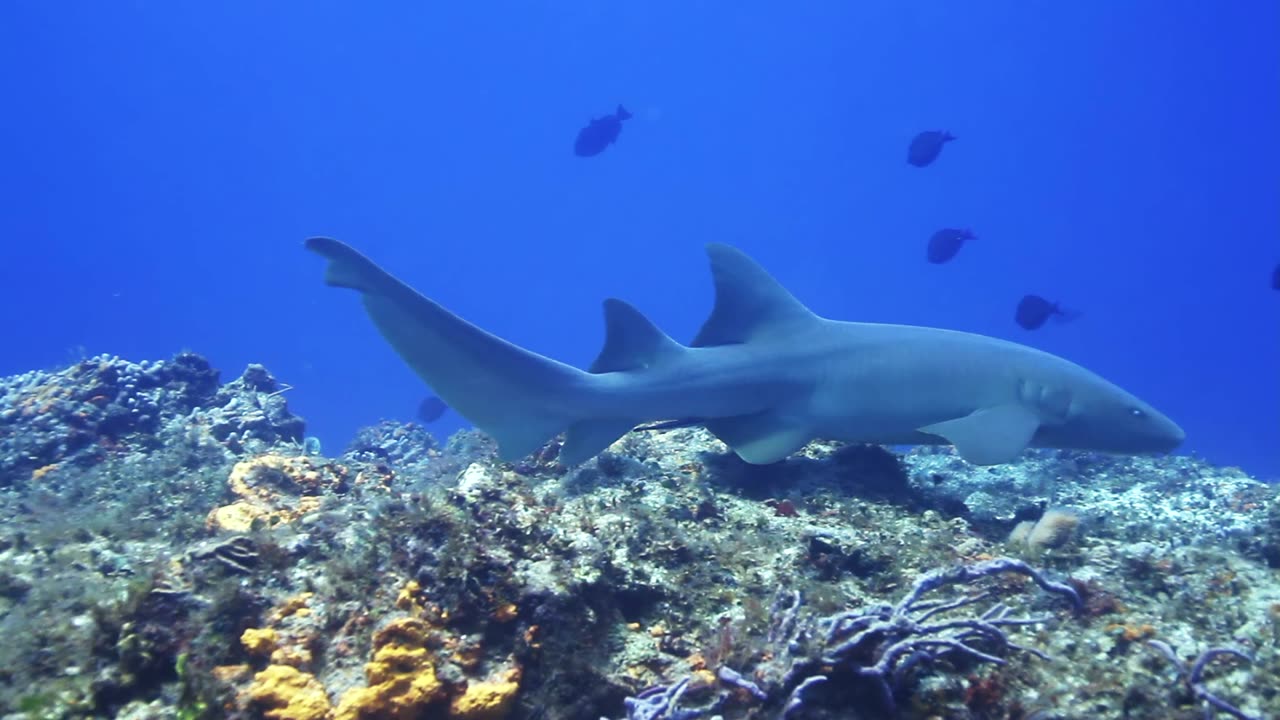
(275, 489)
(260, 642)
(401, 676)
(286, 693)
(488, 700)
(402, 679)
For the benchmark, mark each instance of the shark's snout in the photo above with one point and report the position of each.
(1157, 433)
(1172, 435)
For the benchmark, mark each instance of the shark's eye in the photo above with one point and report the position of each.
(1137, 412)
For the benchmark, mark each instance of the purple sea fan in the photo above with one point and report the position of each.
(886, 642)
(659, 703)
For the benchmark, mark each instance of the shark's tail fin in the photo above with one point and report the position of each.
(1065, 315)
(519, 397)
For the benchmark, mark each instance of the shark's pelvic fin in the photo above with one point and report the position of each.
(750, 303)
(760, 438)
(632, 341)
(520, 398)
(989, 436)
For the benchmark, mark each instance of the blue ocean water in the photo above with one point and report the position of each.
(161, 164)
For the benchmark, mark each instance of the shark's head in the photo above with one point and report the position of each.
(1106, 418)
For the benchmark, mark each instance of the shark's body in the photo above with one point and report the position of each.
(765, 375)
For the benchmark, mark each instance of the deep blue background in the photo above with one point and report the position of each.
(161, 163)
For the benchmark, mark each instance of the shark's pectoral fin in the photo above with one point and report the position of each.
(760, 438)
(587, 438)
(991, 435)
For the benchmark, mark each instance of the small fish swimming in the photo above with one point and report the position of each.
(600, 133)
(926, 146)
(1034, 311)
(431, 409)
(946, 243)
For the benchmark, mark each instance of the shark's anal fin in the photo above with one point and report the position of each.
(991, 435)
(760, 438)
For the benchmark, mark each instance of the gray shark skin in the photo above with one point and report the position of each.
(765, 375)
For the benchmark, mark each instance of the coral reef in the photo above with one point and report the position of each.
(106, 406)
(170, 548)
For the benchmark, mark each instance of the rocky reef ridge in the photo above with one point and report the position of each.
(172, 547)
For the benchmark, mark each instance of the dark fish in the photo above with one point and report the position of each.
(946, 243)
(431, 409)
(926, 146)
(1275, 278)
(600, 133)
(1034, 311)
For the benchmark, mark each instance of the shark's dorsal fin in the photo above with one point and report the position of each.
(749, 302)
(631, 340)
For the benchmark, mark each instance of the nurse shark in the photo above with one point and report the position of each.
(765, 375)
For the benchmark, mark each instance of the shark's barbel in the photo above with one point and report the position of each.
(765, 375)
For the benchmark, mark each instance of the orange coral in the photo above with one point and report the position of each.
(1131, 633)
(702, 678)
(228, 674)
(238, 517)
(43, 470)
(401, 676)
(488, 700)
(696, 661)
(531, 635)
(298, 656)
(410, 598)
(285, 693)
(260, 641)
(276, 489)
(506, 612)
(404, 631)
(284, 641)
(296, 605)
